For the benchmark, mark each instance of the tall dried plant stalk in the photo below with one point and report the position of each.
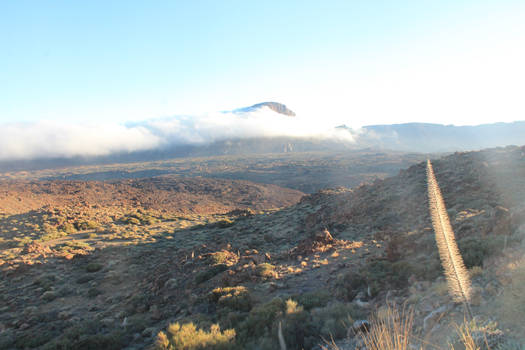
(282, 344)
(458, 279)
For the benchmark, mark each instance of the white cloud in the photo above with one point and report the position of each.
(53, 139)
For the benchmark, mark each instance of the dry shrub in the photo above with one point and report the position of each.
(188, 337)
(476, 335)
(465, 336)
(391, 330)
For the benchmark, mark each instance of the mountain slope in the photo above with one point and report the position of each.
(338, 253)
(442, 138)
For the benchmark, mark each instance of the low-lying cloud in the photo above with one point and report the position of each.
(47, 139)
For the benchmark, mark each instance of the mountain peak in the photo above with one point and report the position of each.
(274, 106)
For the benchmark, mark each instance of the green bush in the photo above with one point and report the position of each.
(93, 267)
(84, 279)
(475, 249)
(67, 227)
(205, 275)
(139, 218)
(131, 221)
(93, 292)
(334, 319)
(46, 281)
(236, 298)
(429, 270)
(298, 330)
(32, 340)
(310, 300)
(225, 223)
(302, 329)
(87, 335)
(86, 225)
(382, 273)
(349, 284)
(261, 318)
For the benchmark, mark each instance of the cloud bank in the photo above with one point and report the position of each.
(46, 139)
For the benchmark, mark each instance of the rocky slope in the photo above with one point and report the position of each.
(176, 194)
(338, 254)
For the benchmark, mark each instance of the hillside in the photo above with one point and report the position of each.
(316, 266)
(163, 193)
(441, 138)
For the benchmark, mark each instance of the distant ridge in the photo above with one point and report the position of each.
(426, 137)
(274, 106)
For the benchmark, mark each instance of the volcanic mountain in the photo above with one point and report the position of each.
(274, 106)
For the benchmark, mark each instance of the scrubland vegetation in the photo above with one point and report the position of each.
(96, 274)
(305, 171)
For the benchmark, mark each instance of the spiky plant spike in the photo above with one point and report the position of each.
(282, 344)
(458, 279)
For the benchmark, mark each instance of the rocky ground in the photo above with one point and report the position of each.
(316, 266)
(304, 171)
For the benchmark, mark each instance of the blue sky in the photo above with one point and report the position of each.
(353, 62)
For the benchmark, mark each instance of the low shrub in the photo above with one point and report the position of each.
(93, 292)
(261, 319)
(222, 257)
(333, 320)
(475, 249)
(139, 218)
(67, 227)
(382, 273)
(46, 281)
(225, 223)
(188, 337)
(209, 273)
(236, 298)
(428, 270)
(298, 330)
(88, 335)
(309, 300)
(265, 270)
(349, 284)
(86, 225)
(94, 267)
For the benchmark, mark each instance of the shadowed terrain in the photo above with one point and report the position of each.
(305, 171)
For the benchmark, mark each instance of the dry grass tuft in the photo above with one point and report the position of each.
(188, 337)
(391, 330)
